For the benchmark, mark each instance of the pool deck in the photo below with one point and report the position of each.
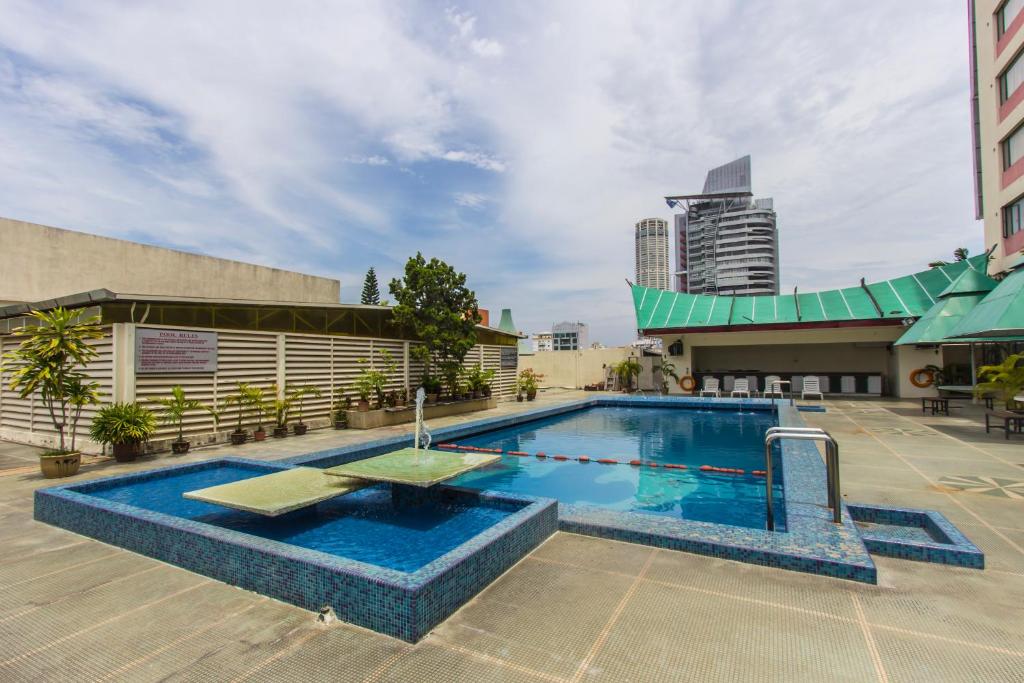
(578, 608)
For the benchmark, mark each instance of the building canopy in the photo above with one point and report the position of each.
(954, 303)
(885, 302)
(999, 315)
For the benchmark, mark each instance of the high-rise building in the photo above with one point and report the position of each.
(652, 247)
(997, 115)
(726, 241)
(569, 336)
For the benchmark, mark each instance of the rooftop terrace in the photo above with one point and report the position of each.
(576, 609)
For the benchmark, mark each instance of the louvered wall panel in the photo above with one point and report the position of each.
(505, 380)
(308, 362)
(247, 357)
(30, 414)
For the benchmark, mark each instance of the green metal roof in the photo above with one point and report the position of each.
(956, 301)
(999, 314)
(909, 296)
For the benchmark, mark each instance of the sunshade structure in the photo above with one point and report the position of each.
(880, 303)
(998, 315)
(955, 302)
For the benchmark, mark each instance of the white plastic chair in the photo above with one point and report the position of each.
(711, 386)
(772, 386)
(811, 386)
(742, 387)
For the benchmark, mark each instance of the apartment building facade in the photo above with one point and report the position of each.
(653, 238)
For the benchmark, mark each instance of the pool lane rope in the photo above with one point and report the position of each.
(604, 461)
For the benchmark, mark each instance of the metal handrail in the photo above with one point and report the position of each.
(782, 395)
(831, 466)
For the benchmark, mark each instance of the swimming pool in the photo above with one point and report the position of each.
(656, 436)
(362, 526)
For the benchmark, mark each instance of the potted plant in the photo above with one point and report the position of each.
(45, 364)
(339, 411)
(432, 388)
(364, 388)
(243, 399)
(528, 382)
(172, 412)
(402, 398)
(296, 395)
(125, 426)
(1006, 380)
(626, 370)
(371, 381)
(666, 369)
(519, 391)
(279, 406)
(486, 379)
(256, 399)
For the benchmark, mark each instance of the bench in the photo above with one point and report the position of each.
(938, 405)
(1012, 422)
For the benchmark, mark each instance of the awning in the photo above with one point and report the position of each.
(955, 302)
(999, 315)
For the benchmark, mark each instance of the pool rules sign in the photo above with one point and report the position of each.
(174, 351)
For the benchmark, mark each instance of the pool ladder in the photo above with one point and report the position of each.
(831, 466)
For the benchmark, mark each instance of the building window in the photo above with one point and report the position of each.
(1013, 218)
(1013, 148)
(1006, 14)
(1011, 79)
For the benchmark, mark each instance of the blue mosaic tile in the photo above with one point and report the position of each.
(912, 534)
(400, 604)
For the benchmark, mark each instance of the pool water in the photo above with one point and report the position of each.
(361, 526)
(720, 438)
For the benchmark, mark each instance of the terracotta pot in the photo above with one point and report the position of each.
(259, 434)
(125, 452)
(280, 432)
(299, 429)
(180, 447)
(363, 406)
(431, 398)
(239, 437)
(531, 394)
(57, 466)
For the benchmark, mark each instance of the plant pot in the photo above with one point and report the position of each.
(363, 406)
(57, 466)
(531, 394)
(431, 398)
(477, 394)
(238, 437)
(180, 447)
(259, 435)
(341, 424)
(125, 452)
(519, 398)
(300, 429)
(280, 432)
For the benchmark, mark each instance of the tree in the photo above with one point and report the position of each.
(959, 254)
(433, 302)
(371, 291)
(47, 361)
(1006, 379)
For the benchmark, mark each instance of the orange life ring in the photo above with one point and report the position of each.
(929, 378)
(687, 383)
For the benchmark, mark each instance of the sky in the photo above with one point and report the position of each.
(518, 141)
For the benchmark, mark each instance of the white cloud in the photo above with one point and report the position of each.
(253, 127)
(471, 200)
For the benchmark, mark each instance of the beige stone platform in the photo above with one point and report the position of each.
(280, 492)
(406, 467)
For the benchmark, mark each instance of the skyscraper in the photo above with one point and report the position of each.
(726, 241)
(652, 246)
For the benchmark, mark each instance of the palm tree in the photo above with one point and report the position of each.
(80, 394)
(626, 371)
(46, 360)
(1005, 379)
(175, 407)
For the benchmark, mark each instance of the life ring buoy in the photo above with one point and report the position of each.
(916, 375)
(687, 383)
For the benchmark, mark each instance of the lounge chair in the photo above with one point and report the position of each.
(772, 386)
(741, 387)
(711, 386)
(811, 386)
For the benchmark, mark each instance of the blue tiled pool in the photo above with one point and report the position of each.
(362, 526)
(731, 439)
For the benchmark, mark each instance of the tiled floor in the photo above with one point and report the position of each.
(577, 609)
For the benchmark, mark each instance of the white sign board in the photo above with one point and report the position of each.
(174, 351)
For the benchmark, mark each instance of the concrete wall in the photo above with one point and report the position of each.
(40, 262)
(574, 369)
(864, 349)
